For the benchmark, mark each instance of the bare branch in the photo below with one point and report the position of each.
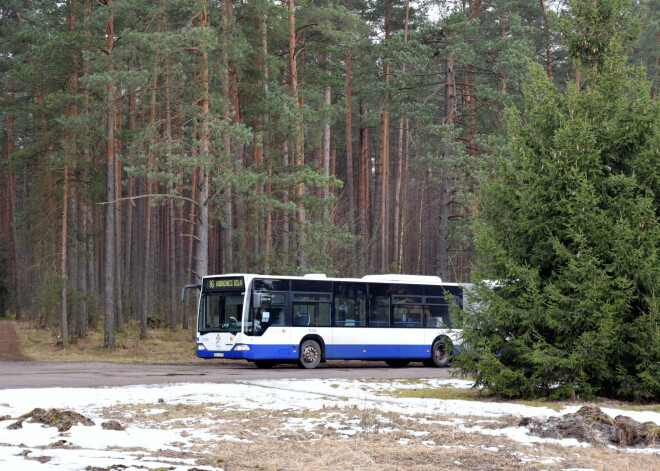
(157, 195)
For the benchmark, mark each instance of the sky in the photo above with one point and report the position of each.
(95, 446)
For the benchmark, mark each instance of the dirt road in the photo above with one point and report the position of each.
(9, 349)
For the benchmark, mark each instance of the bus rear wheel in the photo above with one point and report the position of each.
(310, 354)
(440, 353)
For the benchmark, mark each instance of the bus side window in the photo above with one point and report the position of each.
(350, 304)
(276, 316)
(439, 316)
(379, 311)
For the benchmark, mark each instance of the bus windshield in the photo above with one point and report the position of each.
(220, 312)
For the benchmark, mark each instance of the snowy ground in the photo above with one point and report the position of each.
(156, 436)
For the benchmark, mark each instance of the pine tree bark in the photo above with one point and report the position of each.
(298, 139)
(9, 197)
(326, 158)
(71, 112)
(442, 246)
(383, 166)
(227, 87)
(398, 186)
(171, 212)
(119, 273)
(111, 188)
(363, 185)
(147, 268)
(268, 226)
(202, 232)
(548, 52)
(350, 180)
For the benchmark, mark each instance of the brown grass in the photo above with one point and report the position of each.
(271, 441)
(160, 346)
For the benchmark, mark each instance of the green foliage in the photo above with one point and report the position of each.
(570, 230)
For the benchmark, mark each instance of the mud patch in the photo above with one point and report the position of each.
(62, 419)
(112, 425)
(593, 426)
(41, 459)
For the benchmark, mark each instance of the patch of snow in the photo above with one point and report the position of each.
(353, 403)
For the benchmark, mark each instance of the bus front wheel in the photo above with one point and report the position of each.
(440, 353)
(310, 354)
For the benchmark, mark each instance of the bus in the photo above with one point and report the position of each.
(313, 318)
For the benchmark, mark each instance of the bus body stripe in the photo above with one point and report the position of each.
(333, 352)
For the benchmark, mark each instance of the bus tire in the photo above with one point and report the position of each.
(264, 363)
(440, 353)
(310, 354)
(397, 363)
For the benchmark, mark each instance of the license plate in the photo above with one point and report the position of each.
(218, 355)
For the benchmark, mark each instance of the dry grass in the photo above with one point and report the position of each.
(160, 346)
(448, 393)
(355, 439)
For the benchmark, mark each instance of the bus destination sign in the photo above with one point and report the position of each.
(219, 284)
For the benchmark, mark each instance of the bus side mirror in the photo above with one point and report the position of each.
(261, 300)
(186, 288)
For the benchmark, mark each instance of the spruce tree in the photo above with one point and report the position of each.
(570, 231)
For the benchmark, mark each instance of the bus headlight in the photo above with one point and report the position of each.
(200, 347)
(242, 348)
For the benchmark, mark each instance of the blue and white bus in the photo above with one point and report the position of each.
(313, 318)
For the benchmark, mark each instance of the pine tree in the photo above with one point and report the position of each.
(570, 231)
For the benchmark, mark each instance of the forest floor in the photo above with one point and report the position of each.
(24, 341)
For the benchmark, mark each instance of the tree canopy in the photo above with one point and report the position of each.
(147, 143)
(569, 232)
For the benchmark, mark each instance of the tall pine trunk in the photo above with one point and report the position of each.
(548, 45)
(147, 268)
(111, 188)
(298, 145)
(8, 200)
(350, 180)
(227, 227)
(383, 167)
(401, 157)
(442, 246)
(203, 138)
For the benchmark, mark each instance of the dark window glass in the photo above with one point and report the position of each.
(311, 297)
(380, 289)
(350, 304)
(220, 312)
(399, 299)
(438, 291)
(408, 290)
(410, 315)
(379, 304)
(430, 300)
(439, 317)
(315, 314)
(379, 311)
(265, 284)
(317, 286)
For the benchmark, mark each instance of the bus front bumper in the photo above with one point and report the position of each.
(251, 352)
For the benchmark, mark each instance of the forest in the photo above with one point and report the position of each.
(147, 143)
